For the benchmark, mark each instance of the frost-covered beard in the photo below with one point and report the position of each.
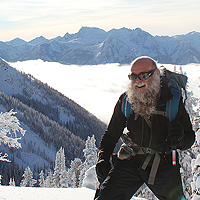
(144, 103)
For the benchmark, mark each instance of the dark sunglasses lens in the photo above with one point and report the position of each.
(132, 77)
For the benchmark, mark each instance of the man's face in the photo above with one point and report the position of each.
(141, 66)
(142, 94)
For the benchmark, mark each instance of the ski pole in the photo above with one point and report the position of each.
(174, 157)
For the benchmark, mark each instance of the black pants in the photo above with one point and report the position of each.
(126, 177)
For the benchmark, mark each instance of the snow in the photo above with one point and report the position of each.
(87, 192)
(31, 193)
(89, 180)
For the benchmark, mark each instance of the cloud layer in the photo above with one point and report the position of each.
(96, 87)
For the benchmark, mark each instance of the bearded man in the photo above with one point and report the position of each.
(145, 156)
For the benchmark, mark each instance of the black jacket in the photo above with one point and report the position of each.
(140, 132)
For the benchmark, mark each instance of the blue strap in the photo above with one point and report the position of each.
(126, 107)
(173, 104)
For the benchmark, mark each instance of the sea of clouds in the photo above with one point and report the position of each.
(95, 87)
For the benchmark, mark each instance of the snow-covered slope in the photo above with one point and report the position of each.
(114, 50)
(96, 46)
(50, 119)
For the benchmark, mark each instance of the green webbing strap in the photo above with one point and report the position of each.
(146, 162)
(154, 169)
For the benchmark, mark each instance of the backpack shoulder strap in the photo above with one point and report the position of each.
(172, 105)
(126, 106)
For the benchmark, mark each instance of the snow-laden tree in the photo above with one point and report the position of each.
(28, 180)
(145, 192)
(41, 179)
(12, 182)
(186, 157)
(90, 154)
(1, 178)
(73, 173)
(49, 180)
(10, 132)
(195, 183)
(193, 108)
(60, 173)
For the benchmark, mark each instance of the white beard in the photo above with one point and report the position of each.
(144, 103)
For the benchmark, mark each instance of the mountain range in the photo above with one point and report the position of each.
(91, 46)
(51, 120)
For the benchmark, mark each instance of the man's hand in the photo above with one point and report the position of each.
(102, 169)
(175, 134)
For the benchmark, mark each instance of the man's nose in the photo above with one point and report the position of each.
(138, 80)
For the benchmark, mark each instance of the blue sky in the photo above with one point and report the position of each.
(28, 19)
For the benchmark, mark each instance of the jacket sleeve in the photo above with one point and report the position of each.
(189, 134)
(113, 132)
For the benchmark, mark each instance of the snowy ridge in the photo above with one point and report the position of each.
(96, 46)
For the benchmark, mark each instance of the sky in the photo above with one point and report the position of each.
(95, 87)
(28, 19)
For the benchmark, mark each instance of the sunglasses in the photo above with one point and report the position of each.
(142, 76)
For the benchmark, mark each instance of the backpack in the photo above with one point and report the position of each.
(177, 84)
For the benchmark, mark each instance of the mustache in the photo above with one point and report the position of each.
(141, 84)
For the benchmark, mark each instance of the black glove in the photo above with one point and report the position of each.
(102, 169)
(175, 134)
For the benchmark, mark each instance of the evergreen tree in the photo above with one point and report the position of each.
(60, 174)
(28, 180)
(49, 180)
(186, 157)
(145, 192)
(12, 182)
(41, 179)
(0, 178)
(90, 154)
(10, 131)
(73, 173)
(195, 183)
